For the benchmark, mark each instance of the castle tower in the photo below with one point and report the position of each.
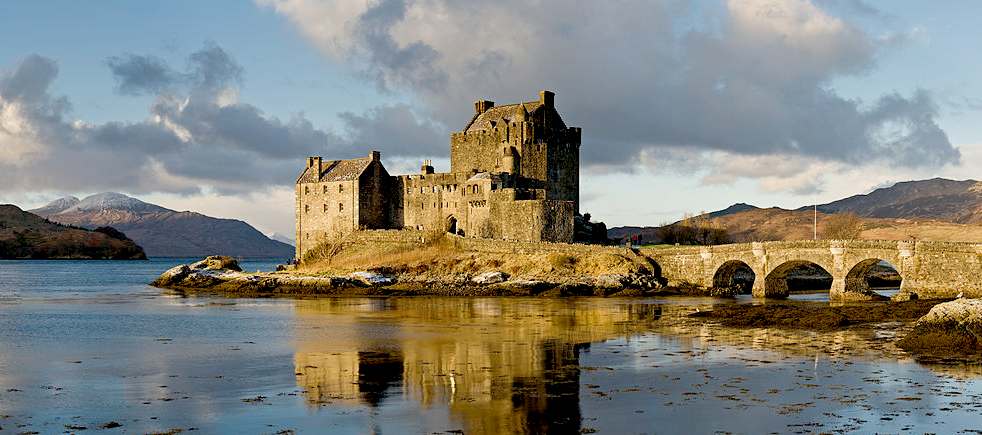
(528, 139)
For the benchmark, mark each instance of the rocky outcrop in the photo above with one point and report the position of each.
(222, 274)
(950, 328)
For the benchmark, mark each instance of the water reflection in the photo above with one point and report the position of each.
(500, 366)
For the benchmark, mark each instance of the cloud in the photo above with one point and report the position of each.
(196, 136)
(746, 77)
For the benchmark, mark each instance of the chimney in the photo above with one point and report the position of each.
(546, 98)
(314, 162)
(481, 106)
(375, 156)
(427, 167)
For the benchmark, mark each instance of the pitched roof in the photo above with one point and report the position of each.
(344, 170)
(336, 170)
(494, 115)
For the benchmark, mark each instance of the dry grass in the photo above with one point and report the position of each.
(441, 257)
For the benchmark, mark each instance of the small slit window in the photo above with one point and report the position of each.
(306, 208)
(340, 188)
(340, 207)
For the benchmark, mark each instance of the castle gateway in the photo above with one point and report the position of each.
(514, 175)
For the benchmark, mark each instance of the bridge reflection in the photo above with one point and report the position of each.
(498, 365)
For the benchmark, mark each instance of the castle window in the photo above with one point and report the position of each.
(325, 208)
(325, 190)
(421, 189)
(306, 208)
(306, 190)
(340, 207)
(340, 188)
(434, 189)
(422, 206)
(306, 236)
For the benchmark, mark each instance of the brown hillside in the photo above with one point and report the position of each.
(25, 235)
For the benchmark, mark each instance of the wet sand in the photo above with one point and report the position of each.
(90, 348)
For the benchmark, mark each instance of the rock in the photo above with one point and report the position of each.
(724, 292)
(494, 277)
(611, 281)
(372, 278)
(949, 328)
(172, 276)
(217, 262)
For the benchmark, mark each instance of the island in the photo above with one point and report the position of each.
(25, 235)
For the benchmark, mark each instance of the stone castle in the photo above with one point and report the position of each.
(514, 175)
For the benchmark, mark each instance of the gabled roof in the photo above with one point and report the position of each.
(507, 113)
(344, 170)
(337, 170)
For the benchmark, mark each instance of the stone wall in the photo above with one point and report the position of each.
(325, 210)
(928, 269)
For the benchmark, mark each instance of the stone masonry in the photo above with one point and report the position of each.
(514, 175)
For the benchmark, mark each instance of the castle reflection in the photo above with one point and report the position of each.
(498, 365)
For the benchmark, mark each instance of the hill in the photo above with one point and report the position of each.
(26, 235)
(935, 199)
(936, 209)
(163, 232)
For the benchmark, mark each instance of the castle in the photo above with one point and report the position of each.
(514, 175)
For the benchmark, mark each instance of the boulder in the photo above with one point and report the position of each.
(493, 277)
(172, 276)
(949, 328)
(611, 281)
(372, 278)
(217, 262)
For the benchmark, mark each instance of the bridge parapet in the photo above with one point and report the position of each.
(928, 269)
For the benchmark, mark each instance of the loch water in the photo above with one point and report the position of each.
(87, 343)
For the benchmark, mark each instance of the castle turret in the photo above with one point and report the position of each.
(427, 167)
(509, 160)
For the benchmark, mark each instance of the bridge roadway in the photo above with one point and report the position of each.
(928, 269)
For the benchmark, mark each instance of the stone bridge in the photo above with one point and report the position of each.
(928, 269)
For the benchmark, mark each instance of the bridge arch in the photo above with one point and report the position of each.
(858, 278)
(734, 274)
(776, 281)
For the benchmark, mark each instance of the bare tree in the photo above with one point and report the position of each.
(843, 226)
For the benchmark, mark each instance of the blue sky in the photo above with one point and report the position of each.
(327, 77)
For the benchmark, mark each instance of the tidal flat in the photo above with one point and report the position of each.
(90, 345)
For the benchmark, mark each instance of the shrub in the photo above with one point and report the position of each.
(843, 226)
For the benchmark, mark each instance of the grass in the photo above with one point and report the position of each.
(441, 257)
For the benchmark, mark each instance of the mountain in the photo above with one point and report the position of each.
(283, 238)
(935, 209)
(163, 232)
(937, 199)
(26, 235)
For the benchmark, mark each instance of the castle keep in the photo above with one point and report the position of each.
(514, 175)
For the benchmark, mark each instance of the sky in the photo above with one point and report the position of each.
(685, 106)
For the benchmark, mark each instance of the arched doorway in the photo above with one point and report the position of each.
(799, 279)
(452, 225)
(734, 277)
(873, 275)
